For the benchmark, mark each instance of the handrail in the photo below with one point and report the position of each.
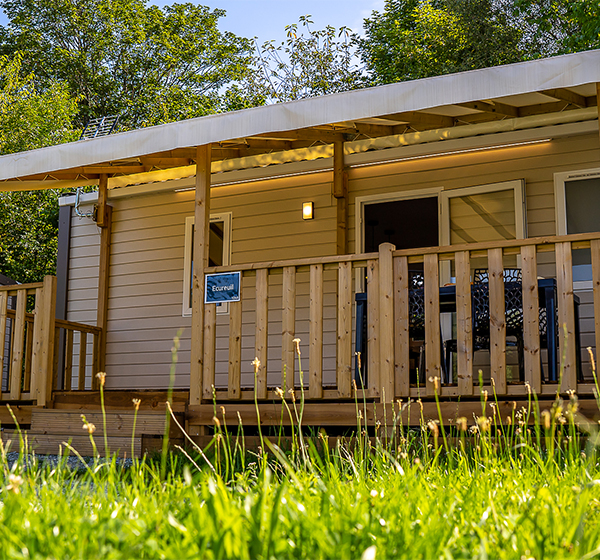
(77, 326)
(19, 287)
(578, 240)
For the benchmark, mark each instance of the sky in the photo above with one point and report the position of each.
(266, 19)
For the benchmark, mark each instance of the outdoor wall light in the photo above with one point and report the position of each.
(308, 211)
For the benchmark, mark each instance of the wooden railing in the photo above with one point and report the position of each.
(30, 352)
(273, 312)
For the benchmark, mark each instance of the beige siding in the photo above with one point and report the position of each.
(146, 276)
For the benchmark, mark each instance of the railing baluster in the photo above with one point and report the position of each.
(386, 322)
(235, 349)
(261, 330)
(288, 328)
(372, 374)
(497, 320)
(401, 334)
(315, 360)
(28, 356)
(344, 330)
(531, 319)
(3, 317)
(432, 322)
(566, 316)
(95, 354)
(68, 379)
(208, 360)
(82, 359)
(17, 346)
(36, 358)
(464, 324)
(595, 249)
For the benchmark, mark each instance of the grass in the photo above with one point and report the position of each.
(477, 489)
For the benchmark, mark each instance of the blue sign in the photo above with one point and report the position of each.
(222, 287)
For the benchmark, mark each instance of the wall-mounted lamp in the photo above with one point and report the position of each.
(308, 211)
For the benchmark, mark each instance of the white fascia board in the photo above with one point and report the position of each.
(487, 83)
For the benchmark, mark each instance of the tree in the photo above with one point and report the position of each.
(147, 64)
(560, 26)
(29, 220)
(309, 63)
(414, 39)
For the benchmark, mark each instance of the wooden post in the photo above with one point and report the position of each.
(340, 193)
(46, 350)
(18, 338)
(566, 316)
(595, 248)
(104, 222)
(344, 330)
(200, 252)
(261, 331)
(235, 351)
(401, 334)
(433, 355)
(386, 322)
(497, 320)
(210, 337)
(288, 328)
(464, 324)
(531, 319)
(315, 358)
(372, 373)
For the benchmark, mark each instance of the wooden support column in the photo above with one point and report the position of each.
(598, 103)
(104, 222)
(340, 193)
(200, 253)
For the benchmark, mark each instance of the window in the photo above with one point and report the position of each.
(219, 250)
(577, 197)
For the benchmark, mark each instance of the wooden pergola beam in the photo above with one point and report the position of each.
(563, 94)
(418, 120)
(340, 193)
(492, 107)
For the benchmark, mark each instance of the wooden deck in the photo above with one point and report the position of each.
(52, 364)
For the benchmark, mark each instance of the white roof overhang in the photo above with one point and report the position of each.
(367, 118)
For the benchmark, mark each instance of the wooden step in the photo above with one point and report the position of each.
(118, 423)
(44, 444)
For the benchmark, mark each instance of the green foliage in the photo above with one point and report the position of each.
(30, 118)
(147, 64)
(560, 26)
(414, 39)
(309, 63)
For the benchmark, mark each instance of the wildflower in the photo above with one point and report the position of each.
(293, 394)
(593, 362)
(15, 482)
(296, 342)
(358, 359)
(91, 428)
(279, 392)
(546, 419)
(216, 422)
(136, 403)
(433, 427)
(436, 383)
(462, 423)
(101, 375)
(509, 421)
(483, 423)
(485, 396)
(222, 410)
(256, 364)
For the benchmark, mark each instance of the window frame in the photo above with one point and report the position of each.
(516, 185)
(226, 218)
(560, 207)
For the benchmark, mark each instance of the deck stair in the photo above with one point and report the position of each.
(51, 428)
